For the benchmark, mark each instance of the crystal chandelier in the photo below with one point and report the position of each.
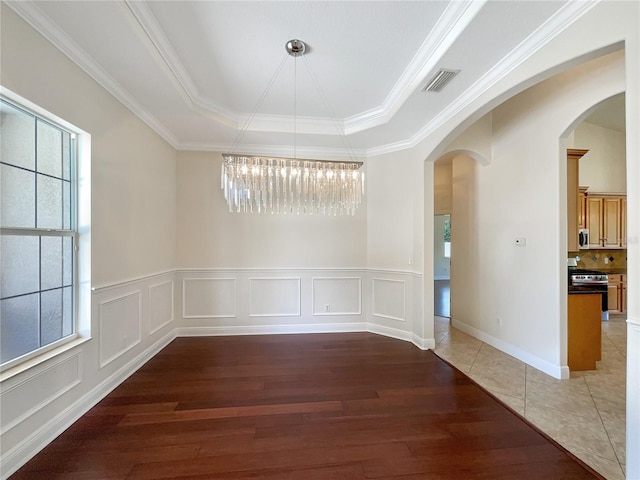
(284, 185)
(260, 184)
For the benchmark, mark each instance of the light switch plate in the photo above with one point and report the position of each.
(521, 241)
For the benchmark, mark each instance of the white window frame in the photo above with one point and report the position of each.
(81, 232)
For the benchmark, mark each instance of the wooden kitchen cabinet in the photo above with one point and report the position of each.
(606, 220)
(575, 214)
(582, 207)
(623, 222)
(617, 293)
(584, 327)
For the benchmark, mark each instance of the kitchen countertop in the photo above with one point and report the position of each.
(613, 271)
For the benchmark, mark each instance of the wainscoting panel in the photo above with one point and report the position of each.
(274, 297)
(336, 296)
(209, 297)
(160, 305)
(21, 398)
(120, 323)
(389, 298)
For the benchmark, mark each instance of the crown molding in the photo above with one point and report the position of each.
(43, 24)
(282, 151)
(453, 21)
(448, 28)
(561, 20)
(176, 70)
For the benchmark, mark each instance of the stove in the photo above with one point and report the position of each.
(587, 277)
(590, 281)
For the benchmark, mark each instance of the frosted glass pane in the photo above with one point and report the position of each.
(51, 262)
(49, 202)
(66, 155)
(51, 316)
(66, 205)
(18, 326)
(19, 265)
(17, 197)
(49, 149)
(67, 260)
(18, 133)
(67, 311)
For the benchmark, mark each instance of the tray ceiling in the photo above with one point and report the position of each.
(195, 70)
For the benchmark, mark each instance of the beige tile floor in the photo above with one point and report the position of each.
(585, 414)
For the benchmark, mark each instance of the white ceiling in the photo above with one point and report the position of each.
(195, 70)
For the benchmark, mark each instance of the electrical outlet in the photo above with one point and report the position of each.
(327, 308)
(520, 241)
(499, 320)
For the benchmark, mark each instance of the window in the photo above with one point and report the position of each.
(38, 235)
(447, 237)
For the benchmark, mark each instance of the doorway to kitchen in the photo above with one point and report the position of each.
(442, 265)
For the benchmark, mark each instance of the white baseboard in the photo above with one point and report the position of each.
(30, 446)
(560, 372)
(270, 329)
(421, 343)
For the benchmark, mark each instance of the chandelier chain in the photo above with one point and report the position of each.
(291, 185)
(258, 104)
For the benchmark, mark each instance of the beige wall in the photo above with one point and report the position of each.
(442, 191)
(133, 229)
(518, 194)
(133, 169)
(603, 167)
(211, 237)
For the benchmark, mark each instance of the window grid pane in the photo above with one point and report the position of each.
(19, 327)
(49, 149)
(17, 197)
(37, 267)
(18, 133)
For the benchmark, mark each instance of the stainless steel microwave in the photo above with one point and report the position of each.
(583, 238)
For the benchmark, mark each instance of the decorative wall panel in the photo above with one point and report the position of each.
(22, 398)
(209, 297)
(274, 297)
(389, 299)
(160, 305)
(120, 325)
(337, 295)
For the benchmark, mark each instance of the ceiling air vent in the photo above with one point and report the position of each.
(439, 80)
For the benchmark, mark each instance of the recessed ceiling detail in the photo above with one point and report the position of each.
(170, 63)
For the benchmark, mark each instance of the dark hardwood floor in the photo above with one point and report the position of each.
(325, 406)
(442, 298)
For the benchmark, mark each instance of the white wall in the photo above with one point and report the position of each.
(133, 237)
(603, 167)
